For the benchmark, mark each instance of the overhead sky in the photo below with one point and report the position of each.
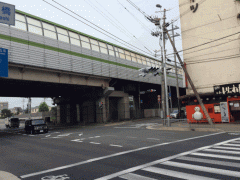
(118, 17)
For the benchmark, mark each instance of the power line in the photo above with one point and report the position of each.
(211, 53)
(213, 60)
(143, 25)
(94, 25)
(209, 43)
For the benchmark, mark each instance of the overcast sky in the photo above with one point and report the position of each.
(117, 17)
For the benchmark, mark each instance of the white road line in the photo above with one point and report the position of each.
(207, 161)
(91, 137)
(132, 176)
(202, 168)
(236, 142)
(95, 143)
(231, 144)
(217, 156)
(47, 135)
(131, 137)
(116, 154)
(77, 140)
(153, 138)
(116, 145)
(221, 147)
(97, 136)
(24, 134)
(222, 151)
(31, 135)
(176, 174)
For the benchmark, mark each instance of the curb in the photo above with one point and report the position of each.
(7, 176)
(184, 129)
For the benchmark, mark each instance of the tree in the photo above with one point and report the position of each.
(6, 113)
(43, 107)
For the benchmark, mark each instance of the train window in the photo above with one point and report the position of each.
(49, 27)
(128, 57)
(110, 47)
(83, 38)
(62, 31)
(117, 54)
(20, 25)
(144, 60)
(50, 34)
(102, 44)
(122, 55)
(133, 55)
(134, 59)
(103, 50)
(93, 42)
(127, 53)
(85, 45)
(63, 38)
(139, 61)
(95, 48)
(148, 62)
(34, 22)
(34, 29)
(20, 17)
(111, 53)
(73, 35)
(75, 41)
(121, 51)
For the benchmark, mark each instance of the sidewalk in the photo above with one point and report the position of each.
(180, 126)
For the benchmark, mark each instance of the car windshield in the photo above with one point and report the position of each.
(175, 111)
(14, 119)
(36, 122)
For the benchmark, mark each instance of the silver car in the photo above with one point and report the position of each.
(174, 114)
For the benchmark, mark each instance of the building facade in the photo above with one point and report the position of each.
(3, 105)
(211, 40)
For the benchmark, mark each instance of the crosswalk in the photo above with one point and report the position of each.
(218, 161)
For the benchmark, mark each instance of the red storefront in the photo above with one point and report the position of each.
(223, 105)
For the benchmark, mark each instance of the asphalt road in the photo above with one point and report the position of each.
(128, 151)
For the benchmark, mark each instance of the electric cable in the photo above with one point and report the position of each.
(94, 25)
(209, 43)
(211, 53)
(130, 35)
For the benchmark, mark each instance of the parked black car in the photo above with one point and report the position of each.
(35, 125)
(12, 122)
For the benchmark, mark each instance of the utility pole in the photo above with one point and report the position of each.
(191, 83)
(178, 94)
(164, 68)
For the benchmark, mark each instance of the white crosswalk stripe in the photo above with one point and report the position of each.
(206, 163)
(176, 174)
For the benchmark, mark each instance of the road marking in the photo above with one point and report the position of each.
(153, 138)
(116, 145)
(116, 154)
(77, 140)
(24, 134)
(236, 142)
(91, 137)
(221, 147)
(65, 134)
(202, 168)
(161, 161)
(95, 143)
(207, 161)
(222, 151)
(216, 156)
(132, 176)
(81, 134)
(231, 144)
(176, 174)
(131, 137)
(31, 135)
(97, 136)
(47, 135)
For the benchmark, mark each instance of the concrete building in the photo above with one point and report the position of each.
(211, 39)
(16, 109)
(3, 105)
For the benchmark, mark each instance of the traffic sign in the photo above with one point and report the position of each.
(7, 13)
(3, 62)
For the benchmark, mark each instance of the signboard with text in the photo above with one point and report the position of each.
(227, 89)
(7, 13)
(3, 62)
(224, 111)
